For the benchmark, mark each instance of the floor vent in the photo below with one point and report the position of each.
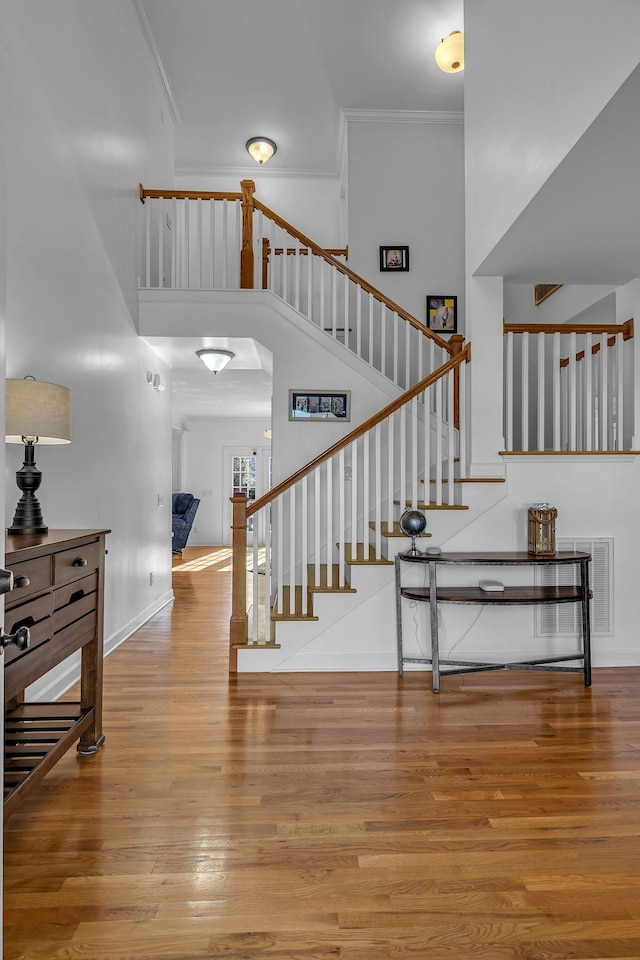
(563, 620)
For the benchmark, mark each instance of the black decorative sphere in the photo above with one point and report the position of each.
(413, 523)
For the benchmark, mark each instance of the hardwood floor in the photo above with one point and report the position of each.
(330, 816)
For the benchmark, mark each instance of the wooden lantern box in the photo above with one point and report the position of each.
(542, 531)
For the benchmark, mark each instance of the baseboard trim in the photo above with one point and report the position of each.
(54, 684)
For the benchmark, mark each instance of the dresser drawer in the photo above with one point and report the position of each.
(73, 611)
(36, 615)
(75, 590)
(24, 670)
(76, 563)
(30, 576)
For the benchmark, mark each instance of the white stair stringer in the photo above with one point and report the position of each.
(357, 631)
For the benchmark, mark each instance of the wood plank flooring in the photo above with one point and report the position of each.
(330, 816)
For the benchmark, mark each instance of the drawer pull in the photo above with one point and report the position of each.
(78, 595)
(21, 638)
(79, 562)
(21, 582)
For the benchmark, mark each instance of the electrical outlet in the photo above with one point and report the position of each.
(160, 500)
(152, 578)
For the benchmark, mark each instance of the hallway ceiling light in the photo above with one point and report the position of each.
(261, 148)
(214, 359)
(450, 53)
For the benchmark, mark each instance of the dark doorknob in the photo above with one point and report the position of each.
(21, 638)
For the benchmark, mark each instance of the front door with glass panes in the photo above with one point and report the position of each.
(243, 480)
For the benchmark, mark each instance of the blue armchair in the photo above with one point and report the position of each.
(183, 509)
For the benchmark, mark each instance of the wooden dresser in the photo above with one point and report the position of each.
(59, 595)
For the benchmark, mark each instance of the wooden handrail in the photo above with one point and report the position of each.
(188, 194)
(452, 364)
(611, 342)
(625, 328)
(320, 252)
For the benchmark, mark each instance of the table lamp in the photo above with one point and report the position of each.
(37, 412)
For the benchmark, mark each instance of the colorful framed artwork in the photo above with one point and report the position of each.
(442, 313)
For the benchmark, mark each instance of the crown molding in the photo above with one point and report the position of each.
(254, 172)
(402, 116)
(152, 47)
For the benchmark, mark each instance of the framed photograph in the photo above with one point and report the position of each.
(442, 313)
(328, 405)
(394, 258)
(543, 290)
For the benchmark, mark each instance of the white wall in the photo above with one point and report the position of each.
(536, 76)
(82, 121)
(207, 444)
(406, 186)
(594, 303)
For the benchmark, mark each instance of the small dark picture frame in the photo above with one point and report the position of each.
(442, 313)
(394, 258)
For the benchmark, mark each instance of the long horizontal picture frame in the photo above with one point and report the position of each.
(328, 405)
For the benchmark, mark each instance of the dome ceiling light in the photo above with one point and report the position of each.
(450, 53)
(214, 359)
(261, 148)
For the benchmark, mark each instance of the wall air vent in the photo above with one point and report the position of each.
(563, 620)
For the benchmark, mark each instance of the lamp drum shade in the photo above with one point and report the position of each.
(37, 409)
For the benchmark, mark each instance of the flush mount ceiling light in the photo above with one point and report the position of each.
(214, 359)
(261, 148)
(450, 53)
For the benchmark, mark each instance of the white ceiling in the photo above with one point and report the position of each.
(283, 69)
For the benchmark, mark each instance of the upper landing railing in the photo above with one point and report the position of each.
(568, 387)
(230, 240)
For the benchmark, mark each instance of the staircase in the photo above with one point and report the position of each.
(327, 570)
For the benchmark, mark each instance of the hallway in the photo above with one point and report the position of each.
(318, 816)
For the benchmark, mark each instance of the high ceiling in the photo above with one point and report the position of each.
(283, 69)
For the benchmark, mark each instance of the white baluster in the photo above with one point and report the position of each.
(370, 329)
(427, 444)
(462, 432)
(346, 309)
(390, 464)
(396, 348)
(354, 497)
(280, 552)
(292, 550)
(604, 395)
(383, 339)
(451, 442)
(329, 516)
(225, 257)
(147, 243)
(254, 582)
(342, 533)
(304, 544)
(317, 511)
(365, 494)
(413, 452)
(358, 320)
(556, 391)
(509, 399)
(377, 498)
(541, 390)
(199, 242)
(588, 391)
(573, 347)
(403, 458)
(619, 373)
(524, 394)
(160, 243)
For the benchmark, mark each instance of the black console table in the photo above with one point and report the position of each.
(434, 594)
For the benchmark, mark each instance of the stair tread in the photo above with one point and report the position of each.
(472, 480)
(263, 645)
(434, 506)
(365, 553)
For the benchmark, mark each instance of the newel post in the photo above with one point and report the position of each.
(456, 342)
(246, 252)
(239, 623)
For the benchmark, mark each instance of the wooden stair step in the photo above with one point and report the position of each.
(472, 480)
(393, 531)
(329, 579)
(365, 553)
(433, 506)
(297, 613)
